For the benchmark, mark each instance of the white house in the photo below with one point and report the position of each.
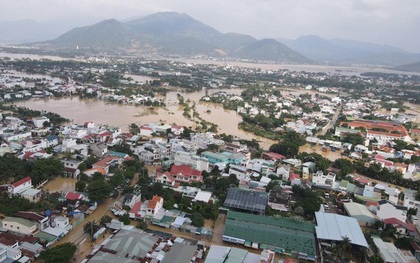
(154, 206)
(20, 186)
(320, 179)
(39, 121)
(19, 225)
(389, 210)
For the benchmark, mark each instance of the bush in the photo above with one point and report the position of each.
(142, 225)
(197, 219)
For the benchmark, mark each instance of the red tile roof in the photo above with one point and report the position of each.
(395, 221)
(185, 170)
(274, 155)
(152, 203)
(372, 203)
(105, 134)
(293, 176)
(105, 161)
(73, 196)
(136, 207)
(22, 181)
(30, 215)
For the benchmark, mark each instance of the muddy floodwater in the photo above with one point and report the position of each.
(122, 115)
(60, 184)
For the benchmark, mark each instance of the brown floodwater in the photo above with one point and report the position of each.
(122, 115)
(60, 184)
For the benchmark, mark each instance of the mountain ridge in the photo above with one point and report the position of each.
(343, 51)
(174, 34)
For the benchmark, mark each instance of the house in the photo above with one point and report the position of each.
(107, 162)
(241, 172)
(146, 131)
(99, 149)
(131, 199)
(391, 254)
(75, 196)
(9, 253)
(177, 130)
(154, 206)
(389, 210)
(71, 167)
(283, 172)
(52, 140)
(319, 179)
(24, 188)
(361, 213)
(20, 186)
(39, 121)
(177, 174)
(135, 210)
(223, 158)
(41, 221)
(19, 225)
(401, 227)
(61, 222)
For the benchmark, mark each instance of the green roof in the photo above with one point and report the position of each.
(45, 236)
(281, 233)
(268, 220)
(21, 221)
(236, 255)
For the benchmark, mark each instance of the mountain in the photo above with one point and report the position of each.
(267, 49)
(342, 51)
(415, 67)
(103, 35)
(174, 34)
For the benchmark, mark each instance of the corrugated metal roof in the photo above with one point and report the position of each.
(336, 227)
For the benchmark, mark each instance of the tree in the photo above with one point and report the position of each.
(98, 190)
(134, 128)
(197, 219)
(287, 148)
(344, 165)
(142, 225)
(80, 186)
(354, 139)
(105, 219)
(125, 218)
(345, 245)
(61, 253)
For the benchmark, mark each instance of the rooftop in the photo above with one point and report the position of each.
(253, 201)
(131, 243)
(282, 233)
(335, 227)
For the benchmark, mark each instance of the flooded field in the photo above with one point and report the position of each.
(329, 154)
(60, 184)
(103, 112)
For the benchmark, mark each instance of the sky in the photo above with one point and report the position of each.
(392, 22)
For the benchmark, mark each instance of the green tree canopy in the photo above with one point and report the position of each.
(62, 253)
(197, 219)
(98, 190)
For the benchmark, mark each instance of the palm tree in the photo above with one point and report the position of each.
(345, 245)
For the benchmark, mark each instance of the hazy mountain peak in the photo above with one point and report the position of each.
(176, 34)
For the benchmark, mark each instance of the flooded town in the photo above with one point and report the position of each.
(160, 139)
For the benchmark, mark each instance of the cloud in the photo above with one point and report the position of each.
(381, 21)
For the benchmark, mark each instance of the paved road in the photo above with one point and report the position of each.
(331, 124)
